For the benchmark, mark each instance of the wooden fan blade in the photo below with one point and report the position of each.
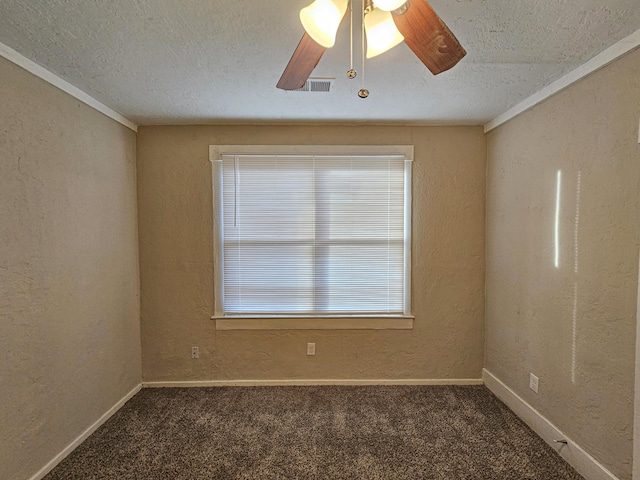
(427, 35)
(305, 58)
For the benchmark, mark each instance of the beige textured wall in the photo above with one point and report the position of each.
(69, 292)
(175, 227)
(573, 326)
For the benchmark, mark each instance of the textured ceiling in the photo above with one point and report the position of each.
(196, 61)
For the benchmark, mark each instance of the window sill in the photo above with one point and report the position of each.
(315, 323)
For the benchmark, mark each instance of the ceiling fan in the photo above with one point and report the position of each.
(387, 23)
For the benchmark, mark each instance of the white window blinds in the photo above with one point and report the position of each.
(313, 235)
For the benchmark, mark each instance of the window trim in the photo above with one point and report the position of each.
(295, 322)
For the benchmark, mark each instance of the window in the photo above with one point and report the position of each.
(312, 232)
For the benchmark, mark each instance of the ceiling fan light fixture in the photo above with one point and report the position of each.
(389, 5)
(382, 33)
(322, 18)
(424, 32)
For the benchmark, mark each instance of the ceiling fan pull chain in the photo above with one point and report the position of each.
(351, 73)
(363, 93)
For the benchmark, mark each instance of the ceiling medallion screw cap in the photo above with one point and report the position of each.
(351, 73)
(363, 93)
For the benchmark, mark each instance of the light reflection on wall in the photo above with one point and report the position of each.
(557, 229)
(576, 223)
(576, 251)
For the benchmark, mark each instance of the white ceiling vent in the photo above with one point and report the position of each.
(324, 85)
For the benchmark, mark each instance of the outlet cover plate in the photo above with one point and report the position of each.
(533, 382)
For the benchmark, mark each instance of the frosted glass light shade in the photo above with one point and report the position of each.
(389, 5)
(322, 18)
(382, 34)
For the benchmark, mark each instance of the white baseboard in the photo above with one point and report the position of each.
(576, 456)
(308, 382)
(73, 445)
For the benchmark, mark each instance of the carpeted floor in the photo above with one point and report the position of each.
(378, 432)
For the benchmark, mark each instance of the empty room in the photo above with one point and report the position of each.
(330, 239)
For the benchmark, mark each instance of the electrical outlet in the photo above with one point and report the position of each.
(311, 348)
(533, 382)
(195, 352)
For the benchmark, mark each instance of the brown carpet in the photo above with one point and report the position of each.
(378, 432)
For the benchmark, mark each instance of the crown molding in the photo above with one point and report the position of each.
(63, 85)
(601, 60)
